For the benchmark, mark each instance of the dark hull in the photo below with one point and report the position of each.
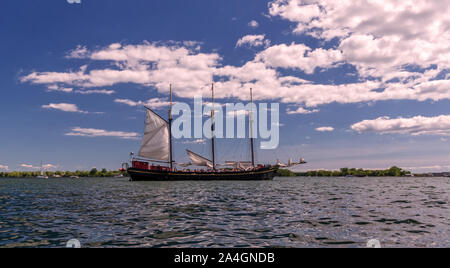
(147, 175)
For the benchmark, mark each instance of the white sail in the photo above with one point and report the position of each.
(155, 144)
(198, 160)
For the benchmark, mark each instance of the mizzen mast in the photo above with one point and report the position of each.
(212, 129)
(170, 130)
(251, 128)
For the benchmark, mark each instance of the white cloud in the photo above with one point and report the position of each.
(154, 103)
(418, 125)
(49, 166)
(428, 168)
(146, 64)
(92, 132)
(29, 166)
(65, 107)
(380, 38)
(197, 141)
(95, 91)
(253, 41)
(237, 113)
(3, 167)
(299, 56)
(301, 110)
(296, 10)
(191, 73)
(253, 24)
(44, 166)
(78, 53)
(74, 1)
(325, 129)
(58, 88)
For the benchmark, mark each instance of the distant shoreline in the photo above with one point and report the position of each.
(343, 172)
(353, 172)
(93, 173)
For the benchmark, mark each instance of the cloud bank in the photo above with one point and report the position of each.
(415, 126)
(92, 132)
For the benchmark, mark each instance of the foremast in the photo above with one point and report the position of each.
(251, 129)
(212, 130)
(170, 131)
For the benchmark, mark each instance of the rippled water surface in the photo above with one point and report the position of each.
(286, 212)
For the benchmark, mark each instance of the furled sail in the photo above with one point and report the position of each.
(198, 160)
(240, 165)
(155, 144)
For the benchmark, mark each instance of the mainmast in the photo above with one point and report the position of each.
(212, 129)
(251, 128)
(170, 130)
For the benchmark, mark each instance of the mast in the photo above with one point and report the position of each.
(251, 128)
(170, 130)
(212, 129)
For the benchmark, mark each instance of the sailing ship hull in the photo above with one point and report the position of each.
(148, 175)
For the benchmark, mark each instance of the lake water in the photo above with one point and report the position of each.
(286, 212)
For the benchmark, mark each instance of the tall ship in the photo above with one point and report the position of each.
(155, 162)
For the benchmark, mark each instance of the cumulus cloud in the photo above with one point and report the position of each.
(191, 72)
(301, 110)
(148, 64)
(435, 167)
(154, 103)
(27, 166)
(378, 37)
(253, 41)
(58, 88)
(95, 91)
(78, 53)
(197, 141)
(44, 166)
(299, 56)
(253, 24)
(325, 129)
(49, 166)
(418, 125)
(237, 113)
(3, 167)
(65, 107)
(92, 132)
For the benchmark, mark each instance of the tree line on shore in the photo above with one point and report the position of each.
(92, 173)
(344, 172)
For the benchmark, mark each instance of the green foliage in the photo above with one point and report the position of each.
(91, 173)
(344, 172)
(285, 173)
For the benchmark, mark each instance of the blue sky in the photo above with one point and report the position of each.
(374, 75)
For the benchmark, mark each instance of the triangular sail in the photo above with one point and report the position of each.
(198, 160)
(155, 144)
